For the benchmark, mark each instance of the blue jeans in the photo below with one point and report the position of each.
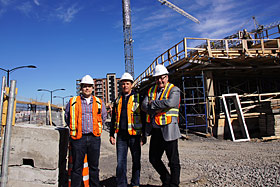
(123, 142)
(90, 145)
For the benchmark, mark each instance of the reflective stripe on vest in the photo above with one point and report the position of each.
(76, 117)
(73, 119)
(99, 106)
(133, 114)
(165, 117)
(151, 96)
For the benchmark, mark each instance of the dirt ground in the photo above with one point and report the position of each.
(206, 162)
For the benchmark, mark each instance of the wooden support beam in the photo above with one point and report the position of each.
(262, 44)
(226, 42)
(185, 48)
(177, 52)
(209, 48)
(270, 138)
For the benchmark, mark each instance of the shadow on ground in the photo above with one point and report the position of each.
(111, 182)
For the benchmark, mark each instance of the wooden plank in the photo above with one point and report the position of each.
(50, 113)
(209, 48)
(262, 45)
(37, 103)
(270, 138)
(177, 52)
(205, 135)
(227, 47)
(185, 47)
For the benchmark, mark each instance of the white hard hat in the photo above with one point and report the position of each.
(160, 70)
(126, 76)
(87, 79)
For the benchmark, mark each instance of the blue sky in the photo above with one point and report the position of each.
(68, 39)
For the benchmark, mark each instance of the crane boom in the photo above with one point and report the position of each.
(180, 11)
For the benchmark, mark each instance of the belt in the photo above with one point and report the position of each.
(88, 134)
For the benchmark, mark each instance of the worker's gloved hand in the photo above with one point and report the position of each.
(143, 140)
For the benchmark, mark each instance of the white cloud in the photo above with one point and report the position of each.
(36, 2)
(2, 11)
(6, 2)
(143, 22)
(155, 29)
(220, 19)
(42, 10)
(165, 15)
(67, 14)
(202, 2)
(25, 8)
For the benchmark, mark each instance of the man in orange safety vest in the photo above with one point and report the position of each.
(127, 122)
(162, 107)
(85, 115)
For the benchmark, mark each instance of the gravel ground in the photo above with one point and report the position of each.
(206, 162)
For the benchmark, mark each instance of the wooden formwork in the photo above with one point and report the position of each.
(225, 68)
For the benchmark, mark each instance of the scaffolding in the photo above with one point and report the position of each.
(194, 102)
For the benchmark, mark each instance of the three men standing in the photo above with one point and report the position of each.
(85, 115)
(127, 121)
(162, 108)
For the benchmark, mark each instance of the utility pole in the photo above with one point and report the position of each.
(128, 49)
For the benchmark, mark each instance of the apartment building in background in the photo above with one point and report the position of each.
(105, 88)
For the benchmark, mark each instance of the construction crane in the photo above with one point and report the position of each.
(180, 11)
(128, 48)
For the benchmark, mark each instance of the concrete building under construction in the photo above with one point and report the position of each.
(216, 75)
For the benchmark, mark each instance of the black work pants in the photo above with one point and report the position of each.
(157, 147)
(90, 145)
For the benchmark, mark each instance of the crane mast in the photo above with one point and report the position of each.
(180, 11)
(128, 48)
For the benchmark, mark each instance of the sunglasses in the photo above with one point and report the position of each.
(161, 77)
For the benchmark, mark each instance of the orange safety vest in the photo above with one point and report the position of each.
(76, 117)
(164, 117)
(133, 114)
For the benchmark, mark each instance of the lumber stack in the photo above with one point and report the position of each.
(269, 121)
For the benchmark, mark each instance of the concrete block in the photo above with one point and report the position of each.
(28, 175)
(40, 144)
(38, 155)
